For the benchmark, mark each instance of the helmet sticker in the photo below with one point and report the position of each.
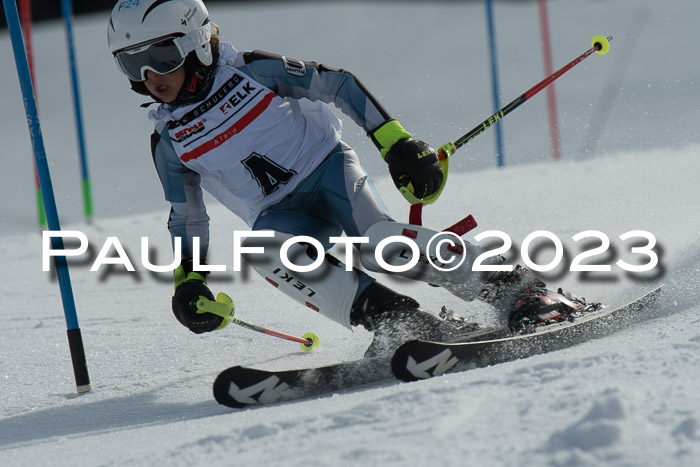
(188, 16)
(127, 4)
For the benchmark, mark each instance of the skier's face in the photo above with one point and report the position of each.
(165, 87)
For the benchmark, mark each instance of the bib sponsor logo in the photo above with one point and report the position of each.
(239, 125)
(185, 133)
(237, 98)
(211, 102)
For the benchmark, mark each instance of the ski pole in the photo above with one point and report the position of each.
(223, 306)
(600, 45)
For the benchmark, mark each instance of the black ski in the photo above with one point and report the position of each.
(239, 387)
(418, 359)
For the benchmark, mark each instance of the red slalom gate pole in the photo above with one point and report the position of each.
(551, 99)
(25, 9)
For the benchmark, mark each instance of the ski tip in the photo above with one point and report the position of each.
(222, 386)
(402, 360)
(601, 44)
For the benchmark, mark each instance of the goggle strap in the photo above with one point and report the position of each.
(193, 39)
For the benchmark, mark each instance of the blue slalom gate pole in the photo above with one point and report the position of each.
(494, 76)
(75, 341)
(67, 10)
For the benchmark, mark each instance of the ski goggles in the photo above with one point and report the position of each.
(163, 55)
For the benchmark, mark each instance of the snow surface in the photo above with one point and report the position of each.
(628, 399)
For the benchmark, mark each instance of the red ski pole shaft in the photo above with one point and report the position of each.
(270, 332)
(599, 46)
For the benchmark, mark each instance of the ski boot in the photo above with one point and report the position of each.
(539, 306)
(528, 302)
(396, 318)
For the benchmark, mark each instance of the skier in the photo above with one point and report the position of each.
(255, 130)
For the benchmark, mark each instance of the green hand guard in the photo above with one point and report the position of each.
(181, 275)
(223, 306)
(387, 135)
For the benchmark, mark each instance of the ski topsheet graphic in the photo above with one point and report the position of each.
(240, 386)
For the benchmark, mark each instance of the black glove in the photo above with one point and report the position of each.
(185, 307)
(189, 285)
(414, 164)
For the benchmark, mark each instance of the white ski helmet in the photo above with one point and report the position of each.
(175, 27)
